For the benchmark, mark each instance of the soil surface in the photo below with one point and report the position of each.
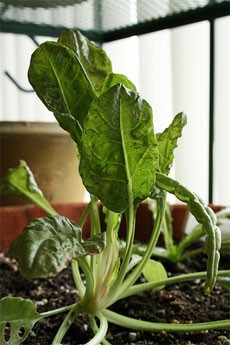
(178, 303)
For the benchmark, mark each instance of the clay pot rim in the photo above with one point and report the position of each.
(8, 128)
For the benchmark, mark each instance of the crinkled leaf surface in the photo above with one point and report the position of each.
(20, 181)
(18, 314)
(154, 271)
(114, 79)
(168, 142)
(59, 80)
(47, 245)
(119, 153)
(94, 59)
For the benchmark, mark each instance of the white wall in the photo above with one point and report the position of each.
(124, 55)
(190, 88)
(155, 76)
(222, 113)
(15, 105)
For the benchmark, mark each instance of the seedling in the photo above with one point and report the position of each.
(122, 163)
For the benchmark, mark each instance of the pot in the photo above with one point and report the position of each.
(13, 219)
(49, 152)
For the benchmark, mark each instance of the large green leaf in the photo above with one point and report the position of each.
(60, 82)
(94, 60)
(48, 244)
(18, 316)
(168, 142)
(119, 153)
(20, 181)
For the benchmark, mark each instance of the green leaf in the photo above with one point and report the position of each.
(59, 80)
(17, 316)
(20, 181)
(154, 271)
(47, 245)
(167, 141)
(94, 59)
(119, 153)
(114, 79)
(70, 124)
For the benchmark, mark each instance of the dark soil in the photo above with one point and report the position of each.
(180, 303)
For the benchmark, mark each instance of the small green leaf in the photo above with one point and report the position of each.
(96, 63)
(154, 271)
(114, 79)
(94, 244)
(48, 244)
(119, 152)
(167, 141)
(17, 316)
(20, 181)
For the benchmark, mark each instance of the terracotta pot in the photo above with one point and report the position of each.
(13, 219)
(51, 155)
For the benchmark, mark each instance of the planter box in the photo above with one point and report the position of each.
(13, 219)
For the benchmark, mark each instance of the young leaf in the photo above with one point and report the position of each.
(59, 80)
(154, 271)
(19, 316)
(96, 63)
(114, 79)
(167, 141)
(47, 245)
(119, 153)
(20, 181)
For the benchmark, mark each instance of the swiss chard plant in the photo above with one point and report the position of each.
(122, 163)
